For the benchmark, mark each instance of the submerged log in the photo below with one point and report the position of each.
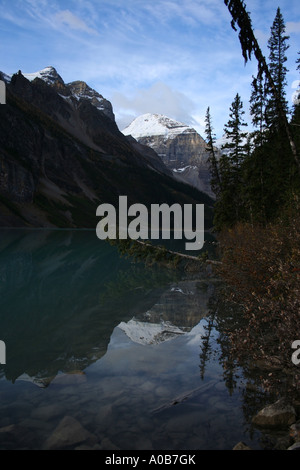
(185, 396)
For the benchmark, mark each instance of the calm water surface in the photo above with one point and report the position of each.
(127, 356)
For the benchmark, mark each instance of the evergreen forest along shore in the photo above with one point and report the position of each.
(257, 186)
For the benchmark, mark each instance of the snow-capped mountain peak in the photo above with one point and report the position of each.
(156, 125)
(48, 74)
(179, 146)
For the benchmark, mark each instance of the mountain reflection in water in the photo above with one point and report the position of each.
(93, 337)
(62, 294)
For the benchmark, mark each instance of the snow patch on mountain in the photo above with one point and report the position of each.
(148, 125)
(182, 170)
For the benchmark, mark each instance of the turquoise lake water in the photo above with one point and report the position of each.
(130, 354)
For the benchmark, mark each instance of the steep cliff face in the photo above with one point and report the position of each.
(81, 90)
(180, 147)
(62, 154)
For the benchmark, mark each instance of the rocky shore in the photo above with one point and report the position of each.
(281, 421)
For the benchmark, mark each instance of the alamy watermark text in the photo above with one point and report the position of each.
(296, 354)
(2, 92)
(133, 222)
(2, 352)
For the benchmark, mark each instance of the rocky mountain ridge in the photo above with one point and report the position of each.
(74, 90)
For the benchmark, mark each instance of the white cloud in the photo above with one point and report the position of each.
(66, 17)
(293, 27)
(188, 12)
(174, 57)
(158, 98)
(262, 37)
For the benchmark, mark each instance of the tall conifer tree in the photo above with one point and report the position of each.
(258, 110)
(213, 161)
(295, 121)
(235, 138)
(229, 207)
(278, 46)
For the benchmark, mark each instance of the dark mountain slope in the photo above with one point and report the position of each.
(60, 157)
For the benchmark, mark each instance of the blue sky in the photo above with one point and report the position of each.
(174, 57)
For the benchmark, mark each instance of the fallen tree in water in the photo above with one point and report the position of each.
(157, 254)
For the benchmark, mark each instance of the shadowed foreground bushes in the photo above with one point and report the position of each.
(261, 266)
